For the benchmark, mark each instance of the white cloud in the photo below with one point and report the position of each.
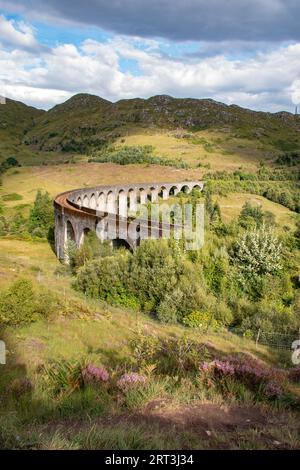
(268, 81)
(295, 91)
(17, 34)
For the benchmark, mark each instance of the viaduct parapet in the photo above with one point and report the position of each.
(81, 210)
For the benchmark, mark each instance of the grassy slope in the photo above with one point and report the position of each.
(100, 333)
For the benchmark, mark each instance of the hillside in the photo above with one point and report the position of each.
(86, 122)
(15, 120)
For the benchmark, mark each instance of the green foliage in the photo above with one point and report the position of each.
(41, 218)
(12, 197)
(10, 162)
(289, 159)
(154, 271)
(170, 356)
(62, 376)
(21, 304)
(256, 254)
(254, 216)
(105, 278)
(135, 154)
(201, 320)
(212, 209)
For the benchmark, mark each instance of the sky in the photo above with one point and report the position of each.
(244, 52)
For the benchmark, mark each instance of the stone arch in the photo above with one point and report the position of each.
(101, 202)
(197, 187)
(70, 232)
(93, 201)
(185, 189)
(79, 201)
(163, 193)
(173, 191)
(85, 201)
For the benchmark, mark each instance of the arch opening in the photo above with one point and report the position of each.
(173, 191)
(119, 243)
(70, 232)
(185, 189)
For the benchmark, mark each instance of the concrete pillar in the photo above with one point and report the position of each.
(165, 194)
(111, 203)
(154, 195)
(132, 200)
(143, 196)
(123, 203)
(85, 202)
(93, 202)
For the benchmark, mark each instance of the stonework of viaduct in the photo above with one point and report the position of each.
(81, 210)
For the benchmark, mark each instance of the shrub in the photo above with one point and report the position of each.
(144, 348)
(180, 355)
(153, 272)
(251, 216)
(20, 386)
(21, 304)
(256, 254)
(131, 380)
(201, 320)
(104, 278)
(17, 304)
(62, 376)
(92, 374)
(167, 311)
(294, 374)
(264, 381)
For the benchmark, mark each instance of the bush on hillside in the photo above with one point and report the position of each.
(21, 304)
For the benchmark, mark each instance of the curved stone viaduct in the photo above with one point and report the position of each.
(81, 210)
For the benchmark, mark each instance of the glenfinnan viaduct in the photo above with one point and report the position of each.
(109, 210)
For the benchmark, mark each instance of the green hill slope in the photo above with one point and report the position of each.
(15, 120)
(86, 121)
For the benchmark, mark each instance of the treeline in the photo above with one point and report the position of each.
(134, 154)
(282, 188)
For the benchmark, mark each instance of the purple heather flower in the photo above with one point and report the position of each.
(94, 374)
(131, 380)
(273, 390)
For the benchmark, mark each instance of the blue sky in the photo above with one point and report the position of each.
(247, 53)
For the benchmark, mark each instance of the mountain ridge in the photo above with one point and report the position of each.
(85, 122)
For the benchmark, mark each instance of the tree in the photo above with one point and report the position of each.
(41, 218)
(257, 253)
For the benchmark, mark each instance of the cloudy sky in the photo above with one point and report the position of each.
(245, 52)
